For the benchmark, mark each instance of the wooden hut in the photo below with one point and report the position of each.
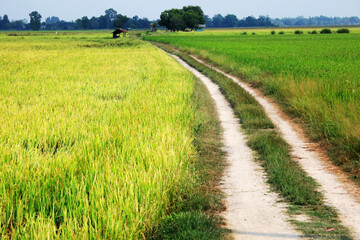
(118, 31)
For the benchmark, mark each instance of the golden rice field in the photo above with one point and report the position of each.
(95, 136)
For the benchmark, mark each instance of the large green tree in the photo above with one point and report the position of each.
(35, 20)
(180, 19)
(200, 18)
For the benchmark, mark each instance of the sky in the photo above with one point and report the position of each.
(73, 9)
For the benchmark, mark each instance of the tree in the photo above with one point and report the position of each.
(52, 20)
(103, 22)
(18, 25)
(218, 20)
(191, 20)
(5, 23)
(180, 19)
(208, 21)
(94, 23)
(265, 22)
(198, 12)
(176, 21)
(231, 20)
(79, 23)
(35, 20)
(173, 20)
(85, 22)
(120, 21)
(111, 15)
(153, 26)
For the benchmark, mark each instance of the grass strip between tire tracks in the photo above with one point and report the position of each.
(284, 175)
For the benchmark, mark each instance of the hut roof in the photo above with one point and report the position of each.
(119, 30)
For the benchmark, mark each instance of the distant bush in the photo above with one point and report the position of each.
(281, 32)
(343, 30)
(325, 31)
(253, 33)
(273, 32)
(244, 33)
(314, 32)
(299, 32)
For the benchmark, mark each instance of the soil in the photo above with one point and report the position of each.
(338, 190)
(253, 212)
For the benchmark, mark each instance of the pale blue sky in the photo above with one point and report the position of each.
(72, 9)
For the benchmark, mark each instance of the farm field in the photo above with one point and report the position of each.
(95, 136)
(314, 76)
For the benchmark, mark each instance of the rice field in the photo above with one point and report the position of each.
(95, 136)
(316, 77)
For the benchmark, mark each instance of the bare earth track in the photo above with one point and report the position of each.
(252, 211)
(339, 192)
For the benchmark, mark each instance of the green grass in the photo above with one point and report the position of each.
(314, 77)
(284, 175)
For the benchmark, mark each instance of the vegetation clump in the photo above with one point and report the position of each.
(326, 31)
(299, 32)
(273, 32)
(314, 32)
(281, 32)
(343, 30)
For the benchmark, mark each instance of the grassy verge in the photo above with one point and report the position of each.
(284, 175)
(196, 215)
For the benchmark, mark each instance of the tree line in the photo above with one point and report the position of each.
(230, 20)
(189, 17)
(111, 19)
(317, 21)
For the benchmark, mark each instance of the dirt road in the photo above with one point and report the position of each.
(252, 211)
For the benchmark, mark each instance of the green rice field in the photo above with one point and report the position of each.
(316, 77)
